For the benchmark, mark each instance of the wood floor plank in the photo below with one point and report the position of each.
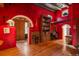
(49, 48)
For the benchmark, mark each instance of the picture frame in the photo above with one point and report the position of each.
(6, 30)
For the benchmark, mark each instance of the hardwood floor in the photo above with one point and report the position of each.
(49, 48)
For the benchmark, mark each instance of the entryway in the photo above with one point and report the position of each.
(22, 25)
(67, 37)
(22, 28)
(66, 34)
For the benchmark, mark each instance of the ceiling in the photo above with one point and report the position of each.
(53, 6)
(50, 6)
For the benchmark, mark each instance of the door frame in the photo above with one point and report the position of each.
(30, 24)
(65, 27)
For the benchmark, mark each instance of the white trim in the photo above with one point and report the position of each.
(10, 22)
(30, 21)
(64, 28)
(24, 17)
(66, 25)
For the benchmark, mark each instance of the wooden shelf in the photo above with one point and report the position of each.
(45, 23)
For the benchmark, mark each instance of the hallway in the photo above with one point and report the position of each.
(50, 48)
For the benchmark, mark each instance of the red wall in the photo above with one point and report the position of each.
(30, 10)
(59, 25)
(75, 20)
(73, 13)
(34, 13)
(9, 39)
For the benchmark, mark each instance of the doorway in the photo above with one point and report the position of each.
(21, 28)
(23, 25)
(66, 34)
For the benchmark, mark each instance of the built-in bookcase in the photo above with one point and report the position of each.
(45, 28)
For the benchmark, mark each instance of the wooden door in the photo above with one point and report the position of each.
(19, 24)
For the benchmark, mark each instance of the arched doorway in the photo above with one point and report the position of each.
(67, 37)
(22, 24)
(66, 34)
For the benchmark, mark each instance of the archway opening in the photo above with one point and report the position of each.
(66, 34)
(22, 25)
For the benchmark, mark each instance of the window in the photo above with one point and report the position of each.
(65, 13)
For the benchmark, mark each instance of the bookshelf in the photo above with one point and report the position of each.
(45, 28)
